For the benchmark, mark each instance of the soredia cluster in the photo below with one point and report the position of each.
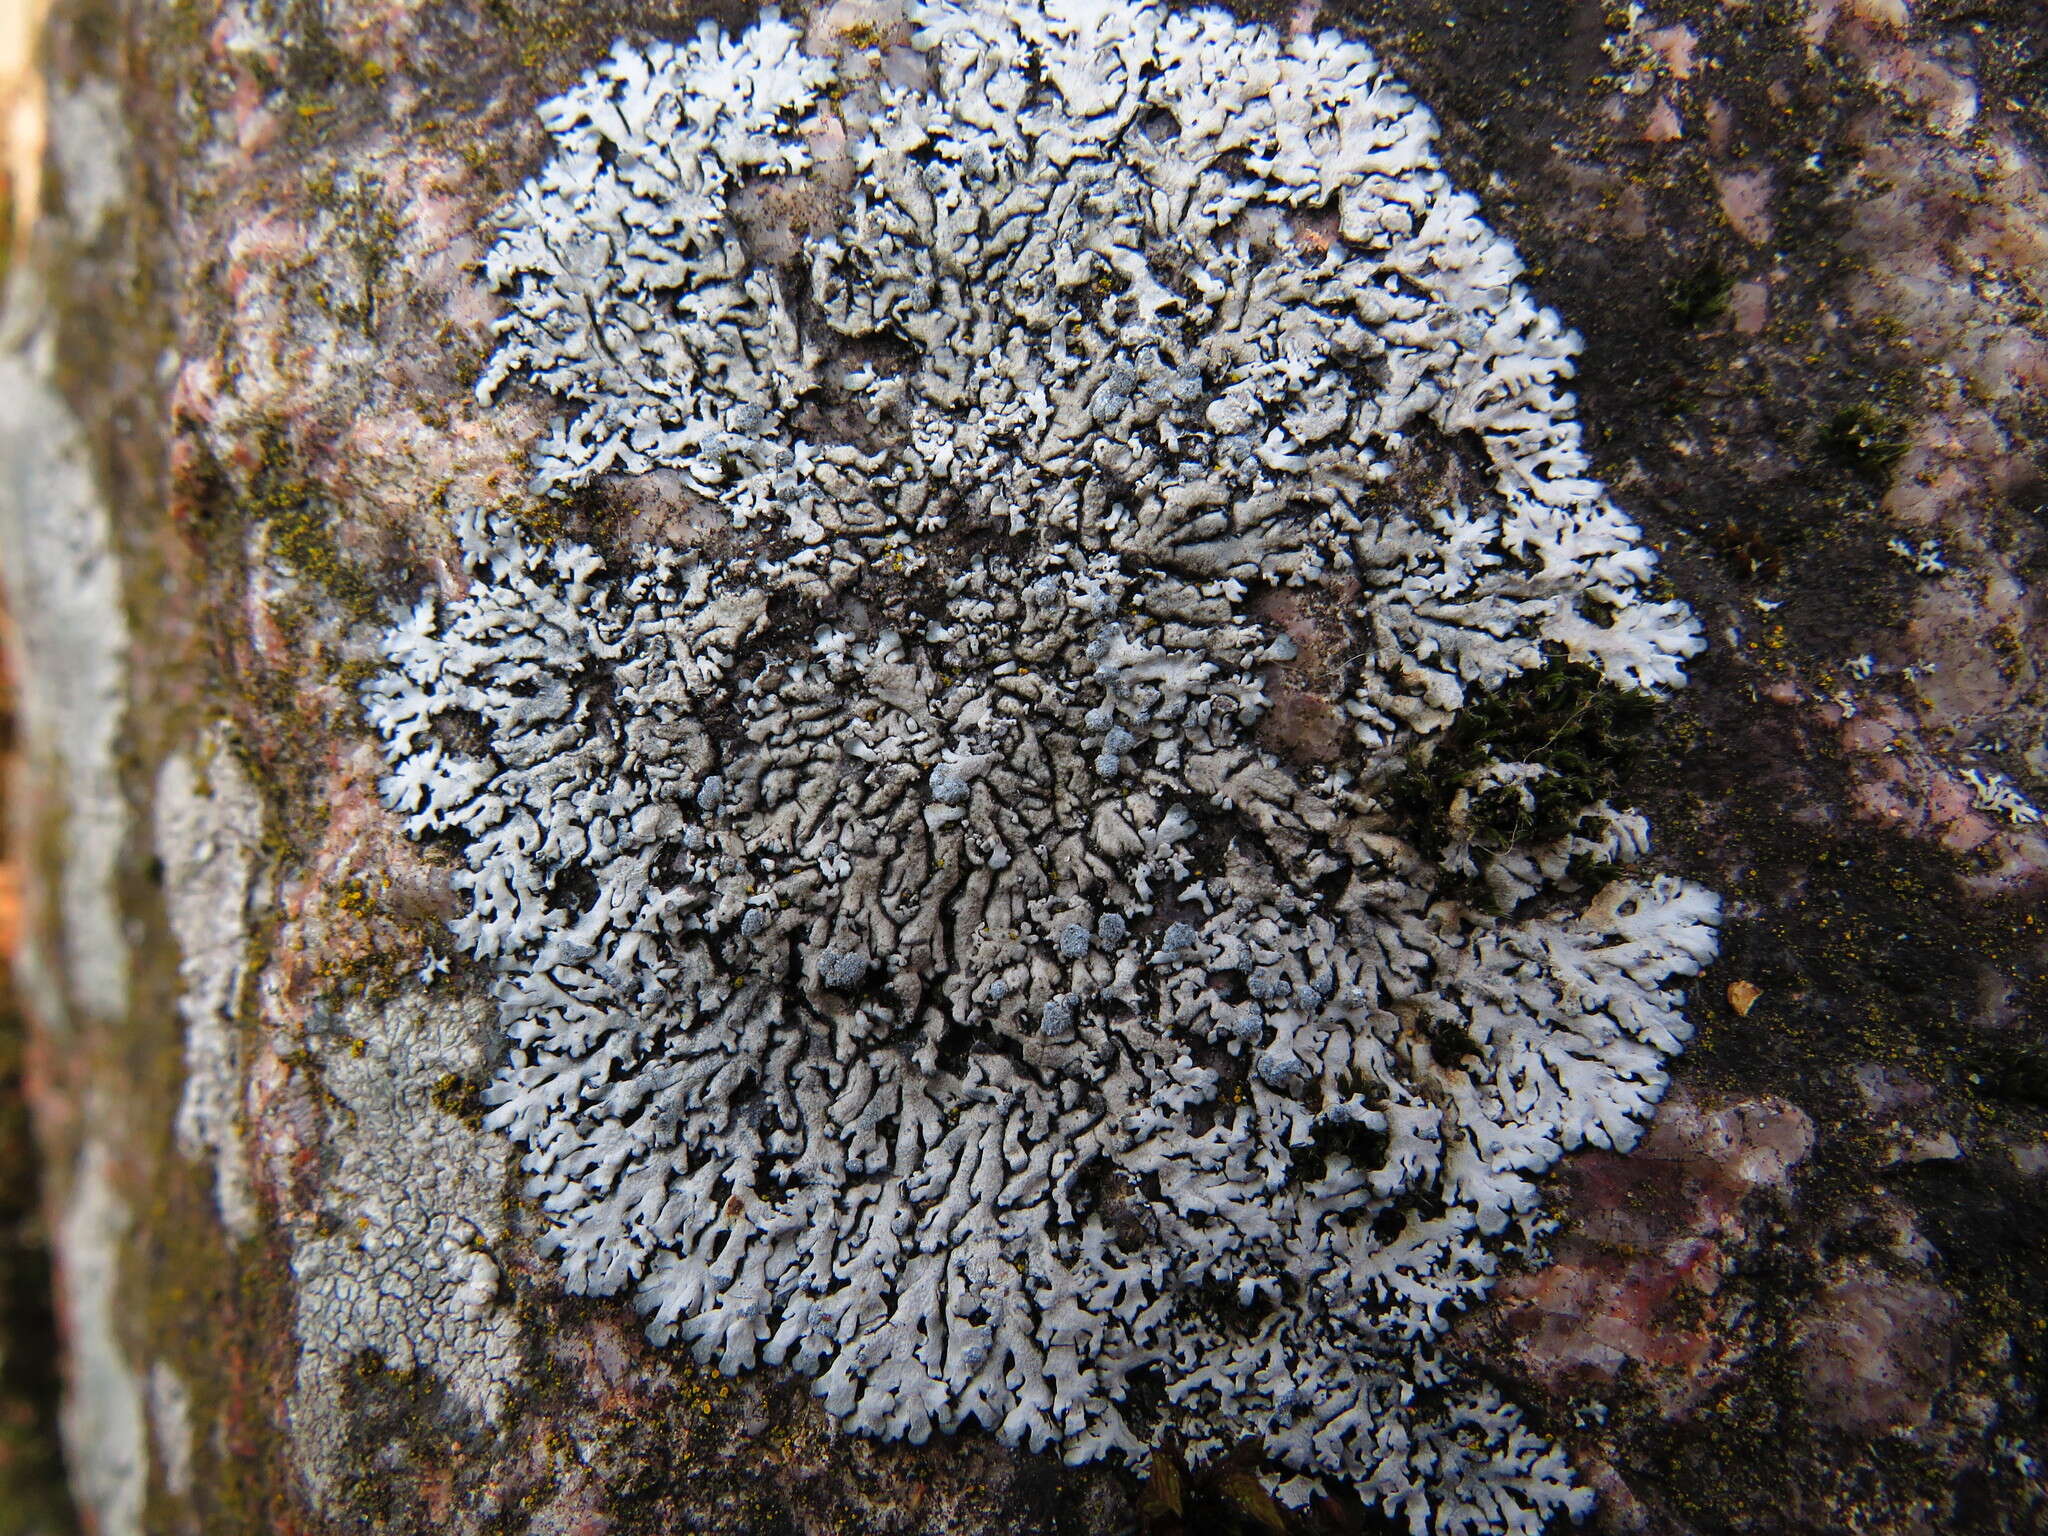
(956, 938)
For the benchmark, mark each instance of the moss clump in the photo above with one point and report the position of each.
(456, 1095)
(539, 521)
(1699, 296)
(1565, 716)
(301, 527)
(1866, 438)
(1224, 1495)
(2018, 1076)
(1744, 545)
(355, 896)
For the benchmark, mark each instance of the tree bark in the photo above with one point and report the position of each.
(297, 1287)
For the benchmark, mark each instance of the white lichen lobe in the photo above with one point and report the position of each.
(959, 940)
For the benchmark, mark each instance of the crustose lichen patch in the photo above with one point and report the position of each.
(967, 945)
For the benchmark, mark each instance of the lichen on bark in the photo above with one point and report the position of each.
(1795, 236)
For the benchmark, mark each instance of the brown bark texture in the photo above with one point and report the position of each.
(1805, 242)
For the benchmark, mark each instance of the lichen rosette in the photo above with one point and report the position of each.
(958, 938)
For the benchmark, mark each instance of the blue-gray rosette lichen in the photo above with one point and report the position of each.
(957, 939)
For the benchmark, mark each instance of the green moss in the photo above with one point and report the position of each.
(1223, 1494)
(540, 521)
(301, 527)
(355, 897)
(863, 34)
(1565, 716)
(2018, 1075)
(1699, 296)
(351, 674)
(456, 1095)
(315, 73)
(1866, 438)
